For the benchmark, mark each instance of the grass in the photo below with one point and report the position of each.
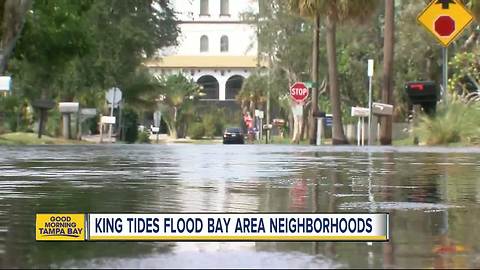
(403, 142)
(453, 125)
(286, 140)
(22, 138)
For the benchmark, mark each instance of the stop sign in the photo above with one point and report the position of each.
(299, 92)
(444, 26)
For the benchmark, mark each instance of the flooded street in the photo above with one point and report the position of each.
(433, 197)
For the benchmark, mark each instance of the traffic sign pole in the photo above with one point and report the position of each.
(446, 20)
(445, 75)
(111, 114)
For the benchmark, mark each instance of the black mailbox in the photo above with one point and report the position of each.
(421, 92)
(424, 93)
(319, 114)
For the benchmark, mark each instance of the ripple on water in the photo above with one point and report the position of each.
(396, 206)
(220, 259)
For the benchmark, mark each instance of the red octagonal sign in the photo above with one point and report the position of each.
(444, 26)
(299, 92)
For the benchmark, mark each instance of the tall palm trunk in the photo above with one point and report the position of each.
(338, 136)
(314, 108)
(387, 90)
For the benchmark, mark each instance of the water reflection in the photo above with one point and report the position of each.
(432, 198)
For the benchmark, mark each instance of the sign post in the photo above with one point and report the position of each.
(446, 20)
(299, 93)
(361, 113)
(370, 76)
(113, 96)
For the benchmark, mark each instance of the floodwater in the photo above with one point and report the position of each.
(432, 195)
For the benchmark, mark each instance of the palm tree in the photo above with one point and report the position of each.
(388, 50)
(335, 11)
(253, 93)
(176, 94)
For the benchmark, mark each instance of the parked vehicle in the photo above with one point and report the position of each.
(233, 135)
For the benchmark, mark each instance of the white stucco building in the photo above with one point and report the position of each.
(217, 47)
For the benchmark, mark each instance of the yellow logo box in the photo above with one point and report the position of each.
(60, 227)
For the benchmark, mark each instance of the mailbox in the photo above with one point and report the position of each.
(360, 111)
(278, 122)
(68, 107)
(422, 92)
(319, 114)
(108, 120)
(43, 104)
(329, 120)
(267, 127)
(382, 109)
(88, 112)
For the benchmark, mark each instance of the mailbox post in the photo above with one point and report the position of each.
(320, 118)
(361, 113)
(67, 108)
(43, 105)
(84, 114)
(381, 109)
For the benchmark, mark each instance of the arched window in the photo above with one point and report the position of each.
(204, 44)
(224, 9)
(204, 7)
(224, 44)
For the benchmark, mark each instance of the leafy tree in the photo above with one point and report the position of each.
(335, 11)
(76, 50)
(285, 41)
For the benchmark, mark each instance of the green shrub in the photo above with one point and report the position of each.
(196, 131)
(455, 123)
(143, 137)
(214, 124)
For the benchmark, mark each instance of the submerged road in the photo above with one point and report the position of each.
(432, 195)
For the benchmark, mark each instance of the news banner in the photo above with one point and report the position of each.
(371, 227)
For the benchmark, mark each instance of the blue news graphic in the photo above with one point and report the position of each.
(224, 225)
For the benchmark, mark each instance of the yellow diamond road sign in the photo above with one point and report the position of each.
(445, 19)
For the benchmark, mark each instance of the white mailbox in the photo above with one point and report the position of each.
(108, 120)
(68, 107)
(360, 111)
(382, 109)
(88, 112)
